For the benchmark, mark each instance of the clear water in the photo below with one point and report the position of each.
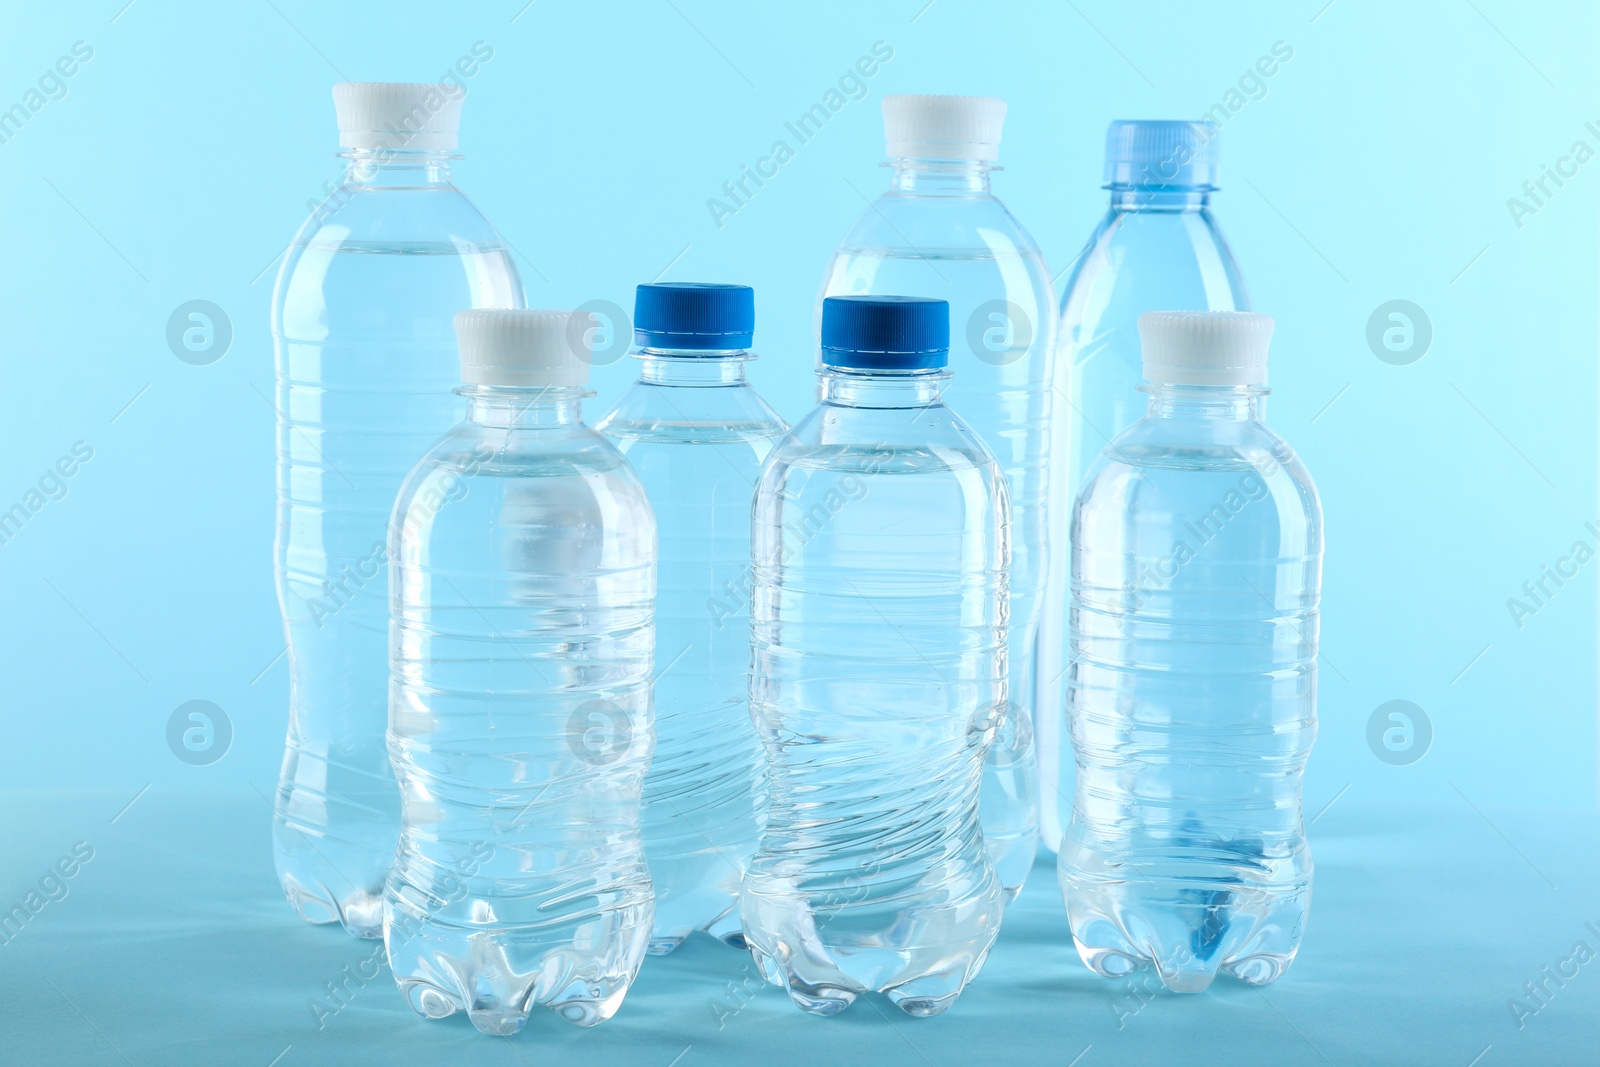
(523, 585)
(878, 682)
(697, 435)
(366, 362)
(1153, 251)
(942, 235)
(1196, 578)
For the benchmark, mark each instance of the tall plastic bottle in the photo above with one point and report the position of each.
(878, 677)
(940, 232)
(522, 572)
(1158, 248)
(1196, 579)
(365, 365)
(697, 434)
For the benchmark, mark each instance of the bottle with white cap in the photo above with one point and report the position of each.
(940, 232)
(365, 365)
(878, 674)
(522, 597)
(1192, 686)
(697, 433)
(1158, 247)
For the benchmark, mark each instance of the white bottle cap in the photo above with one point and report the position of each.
(943, 127)
(524, 347)
(398, 115)
(1205, 347)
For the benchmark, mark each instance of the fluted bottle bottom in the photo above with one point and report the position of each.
(499, 975)
(696, 891)
(328, 880)
(677, 919)
(920, 955)
(1188, 929)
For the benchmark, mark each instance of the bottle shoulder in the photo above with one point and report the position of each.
(932, 225)
(391, 262)
(1180, 465)
(568, 453)
(929, 440)
(361, 218)
(1142, 260)
(698, 414)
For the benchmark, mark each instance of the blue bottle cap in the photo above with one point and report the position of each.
(885, 332)
(1173, 154)
(701, 316)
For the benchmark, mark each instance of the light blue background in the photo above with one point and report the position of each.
(1376, 166)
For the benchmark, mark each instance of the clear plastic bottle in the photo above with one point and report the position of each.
(1158, 248)
(697, 434)
(522, 599)
(878, 674)
(940, 232)
(365, 365)
(1196, 578)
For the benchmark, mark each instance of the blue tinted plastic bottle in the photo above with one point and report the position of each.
(365, 366)
(1196, 579)
(523, 585)
(697, 434)
(941, 232)
(1158, 248)
(878, 637)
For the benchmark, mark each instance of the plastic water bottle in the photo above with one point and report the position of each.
(878, 678)
(940, 232)
(523, 591)
(1196, 576)
(697, 434)
(1158, 248)
(365, 365)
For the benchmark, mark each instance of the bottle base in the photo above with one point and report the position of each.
(359, 912)
(926, 995)
(499, 976)
(1251, 934)
(667, 936)
(908, 965)
(490, 1016)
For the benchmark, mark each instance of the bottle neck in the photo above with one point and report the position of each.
(391, 168)
(1227, 403)
(698, 368)
(1159, 198)
(506, 408)
(881, 389)
(941, 177)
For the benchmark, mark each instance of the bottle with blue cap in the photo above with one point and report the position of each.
(697, 433)
(522, 577)
(1157, 248)
(939, 231)
(1196, 581)
(365, 364)
(878, 677)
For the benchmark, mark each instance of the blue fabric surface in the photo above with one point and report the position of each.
(172, 945)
